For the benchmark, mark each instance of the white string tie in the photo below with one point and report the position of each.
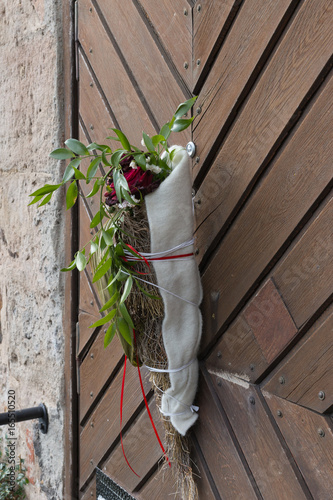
(172, 370)
(164, 253)
(192, 408)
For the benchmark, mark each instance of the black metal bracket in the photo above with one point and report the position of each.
(39, 412)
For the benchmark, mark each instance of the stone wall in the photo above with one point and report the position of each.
(31, 239)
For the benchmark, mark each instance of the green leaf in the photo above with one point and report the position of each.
(104, 320)
(181, 124)
(80, 261)
(166, 131)
(110, 302)
(69, 172)
(71, 195)
(48, 188)
(97, 219)
(105, 160)
(140, 159)
(123, 139)
(78, 174)
(125, 314)
(77, 147)
(148, 142)
(116, 157)
(127, 289)
(36, 199)
(109, 334)
(46, 200)
(107, 237)
(113, 280)
(93, 247)
(71, 266)
(61, 154)
(127, 197)
(92, 169)
(116, 182)
(156, 139)
(102, 270)
(124, 330)
(95, 189)
(184, 107)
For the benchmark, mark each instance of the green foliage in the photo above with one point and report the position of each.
(106, 242)
(8, 491)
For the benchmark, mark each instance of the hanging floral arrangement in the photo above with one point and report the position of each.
(141, 255)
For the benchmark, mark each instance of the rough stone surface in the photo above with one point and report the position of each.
(31, 239)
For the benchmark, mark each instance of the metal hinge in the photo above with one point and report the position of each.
(76, 38)
(77, 358)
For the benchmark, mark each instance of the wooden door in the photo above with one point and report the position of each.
(263, 177)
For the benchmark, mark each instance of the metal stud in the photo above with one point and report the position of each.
(218, 381)
(198, 110)
(92, 355)
(190, 148)
(91, 302)
(219, 354)
(252, 367)
(91, 127)
(282, 380)
(90, 9)
(91, 424)
(91, 461)
(91, 84)
(279, 413)
(198, 62)
(185, 12)
(199, 7)
(252, 400)
(321, 432)
(196, 251)
(197, 159)
(186, 65)
(321, 395)
(90, 50)
(91, 394)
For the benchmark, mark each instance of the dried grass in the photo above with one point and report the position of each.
(147, 315)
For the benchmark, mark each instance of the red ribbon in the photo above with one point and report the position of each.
(148, 410)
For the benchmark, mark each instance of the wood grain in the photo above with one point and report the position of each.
(117, 86)
(305, 276)
(90, 493)
(272, 468)
(219, 450)
(102, 428)
(141, 448)
(238, 352)
(270, 321)
(250, 144)
(96, 370)
(97, 118)
(308, 369)
(174, 29)
(211, 21)
(231, 73)
(161, 485)
(313, 454)
(152, 74)
(299, 175)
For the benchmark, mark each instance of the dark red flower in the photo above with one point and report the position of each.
(139, 181)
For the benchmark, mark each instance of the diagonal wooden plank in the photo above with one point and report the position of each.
(273, 469)
(151, 73)
(296, 180)
(141, 448)
(111, 74)
(211, 21)
(306, 375)
(172, 22)
(102, 428)
(255, 27)
(219, 451)
(270, 107)
(96, 369)
(305, 276)
(309, 437)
